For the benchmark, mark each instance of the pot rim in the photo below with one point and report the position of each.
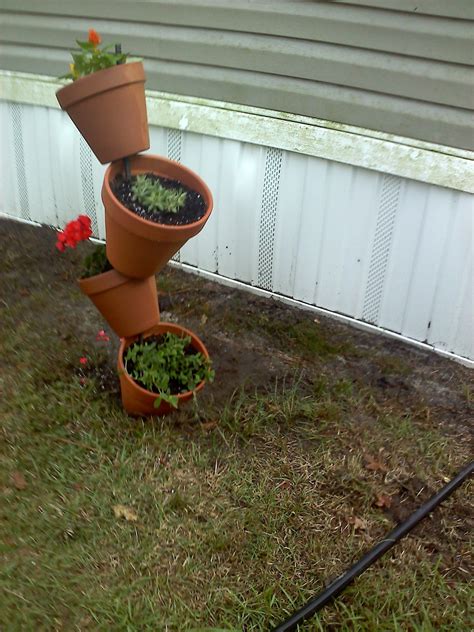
(100, 81)
(164, 327)
(146, 224)
(103, 282)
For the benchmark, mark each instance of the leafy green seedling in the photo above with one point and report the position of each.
(95, 263)
(156, 197)
(165, 365)
(90, 58)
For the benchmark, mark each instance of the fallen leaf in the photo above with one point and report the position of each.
(18, 480)
(121, 511)
(358, 523)
(383, 501)
(208, 425)
(374, 465)
(274, 408)
(203, 319)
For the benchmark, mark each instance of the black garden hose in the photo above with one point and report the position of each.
(341, 583)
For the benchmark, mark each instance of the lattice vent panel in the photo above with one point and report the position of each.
(388, 205)
(87, 183)
(271, 183)
(175, 143)
(17, 128)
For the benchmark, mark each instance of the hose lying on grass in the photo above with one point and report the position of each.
(341, 583)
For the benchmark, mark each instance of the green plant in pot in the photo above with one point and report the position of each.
(90, 58)
(152, 214)
(106, 99)
(167, 365)
(130, 306)
(162, 369)
(153, 195)
(95, 263)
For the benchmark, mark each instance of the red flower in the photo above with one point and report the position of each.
(94, 37)
(84, 221)
(83, 360)
(70, 242)
(83, 226)
(75, 231)
(102, 336)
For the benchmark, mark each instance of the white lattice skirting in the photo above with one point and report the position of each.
(377, 249)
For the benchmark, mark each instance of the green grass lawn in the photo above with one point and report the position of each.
(314, 440)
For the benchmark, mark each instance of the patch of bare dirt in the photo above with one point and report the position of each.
(253, 341)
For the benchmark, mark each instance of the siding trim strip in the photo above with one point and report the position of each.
(378, 151)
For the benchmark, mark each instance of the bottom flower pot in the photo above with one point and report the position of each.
(137, 400)
(130, 306)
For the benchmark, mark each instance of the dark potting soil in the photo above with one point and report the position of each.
(192, 211)
(176, 387)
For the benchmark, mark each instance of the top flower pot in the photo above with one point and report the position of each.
(138, 247)
(108, 107)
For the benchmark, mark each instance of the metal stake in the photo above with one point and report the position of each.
(126, 161)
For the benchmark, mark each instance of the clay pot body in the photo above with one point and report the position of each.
(137, 247)
(137, 400)
(108, 108)
(130, 306)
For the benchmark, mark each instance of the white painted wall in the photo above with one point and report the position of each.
(379, 248)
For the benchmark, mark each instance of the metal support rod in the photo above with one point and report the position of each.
(126, 161)
(341, 583)
(126, 165)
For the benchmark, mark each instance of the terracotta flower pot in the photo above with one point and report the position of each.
(108, 107)
(130, 306)
(137, 400)
(138, 247)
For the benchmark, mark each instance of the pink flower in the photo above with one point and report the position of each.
(102, 336)
(83, 360)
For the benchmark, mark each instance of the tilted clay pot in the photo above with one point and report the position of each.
(130, 306)
(137, 400)
(138, 247)
(108, 107)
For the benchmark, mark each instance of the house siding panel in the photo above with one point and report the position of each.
(399, 67)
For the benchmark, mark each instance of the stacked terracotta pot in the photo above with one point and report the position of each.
(109, 109)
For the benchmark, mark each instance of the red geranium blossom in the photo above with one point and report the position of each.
(75, 231)
(94, 37)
